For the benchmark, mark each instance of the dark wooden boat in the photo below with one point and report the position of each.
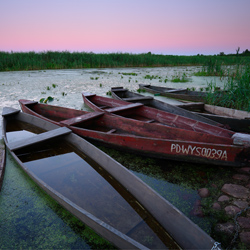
(140, 112)
(236, 120)
(119, 93)
(183, 94)
(2, 164)
(97, 189)
(156, 140)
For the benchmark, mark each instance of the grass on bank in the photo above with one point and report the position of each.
(10, 61)
(236, 90)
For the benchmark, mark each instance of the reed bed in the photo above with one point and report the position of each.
(10, 61)
(236, 93)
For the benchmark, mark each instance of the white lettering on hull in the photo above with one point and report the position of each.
(210, 153)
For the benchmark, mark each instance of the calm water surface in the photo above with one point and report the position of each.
(65, 86)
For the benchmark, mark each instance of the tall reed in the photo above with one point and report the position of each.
(67, 60)
(236, 92)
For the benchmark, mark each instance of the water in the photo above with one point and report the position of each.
(65, 86)
(85, 183)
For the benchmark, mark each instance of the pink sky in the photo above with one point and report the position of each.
(177, 27)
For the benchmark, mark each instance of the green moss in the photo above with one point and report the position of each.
(32, 219)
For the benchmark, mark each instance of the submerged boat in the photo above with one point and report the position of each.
(119, 93)
(96, 189)
(183, 94)
(156, 140)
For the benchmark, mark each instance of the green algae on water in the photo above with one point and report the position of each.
(32, 219)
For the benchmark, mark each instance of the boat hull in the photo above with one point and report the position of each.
(183, 94)
(236, 120)
(184, 231)
(154, 103)
(214, 150)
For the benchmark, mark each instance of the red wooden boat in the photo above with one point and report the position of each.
(156, 140)
(138, 111)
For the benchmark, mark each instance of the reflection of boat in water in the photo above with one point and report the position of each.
(189, 143)
(95, 188)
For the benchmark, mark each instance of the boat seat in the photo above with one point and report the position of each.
(39, 138)
(125, 107)
(138, 98)
(81, 118)
(111, 131)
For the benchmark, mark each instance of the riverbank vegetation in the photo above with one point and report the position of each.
(10, 61)
(236, 90)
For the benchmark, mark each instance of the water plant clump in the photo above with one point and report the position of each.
(150, 77)
(236, 92)
(180, 78)
(212, 67)
(46, 100)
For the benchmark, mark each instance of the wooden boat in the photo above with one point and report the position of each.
(156, 140)
(236, 120)
(97, 189)
(140, 112)
(119, 93)
(2, 164)
(183, 94)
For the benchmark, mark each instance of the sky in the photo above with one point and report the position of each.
(168, 27)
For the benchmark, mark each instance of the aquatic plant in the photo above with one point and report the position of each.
(180, 78)
(46, 100)
(236, 91)
(130, 74)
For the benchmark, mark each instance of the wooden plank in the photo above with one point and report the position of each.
(39, 138)
(138, 98)
(125, 107)
(81, 118)
(227, 112)
(175, 90)
(119, 90)
(192, 105)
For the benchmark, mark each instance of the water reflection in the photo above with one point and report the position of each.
(84, 182)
